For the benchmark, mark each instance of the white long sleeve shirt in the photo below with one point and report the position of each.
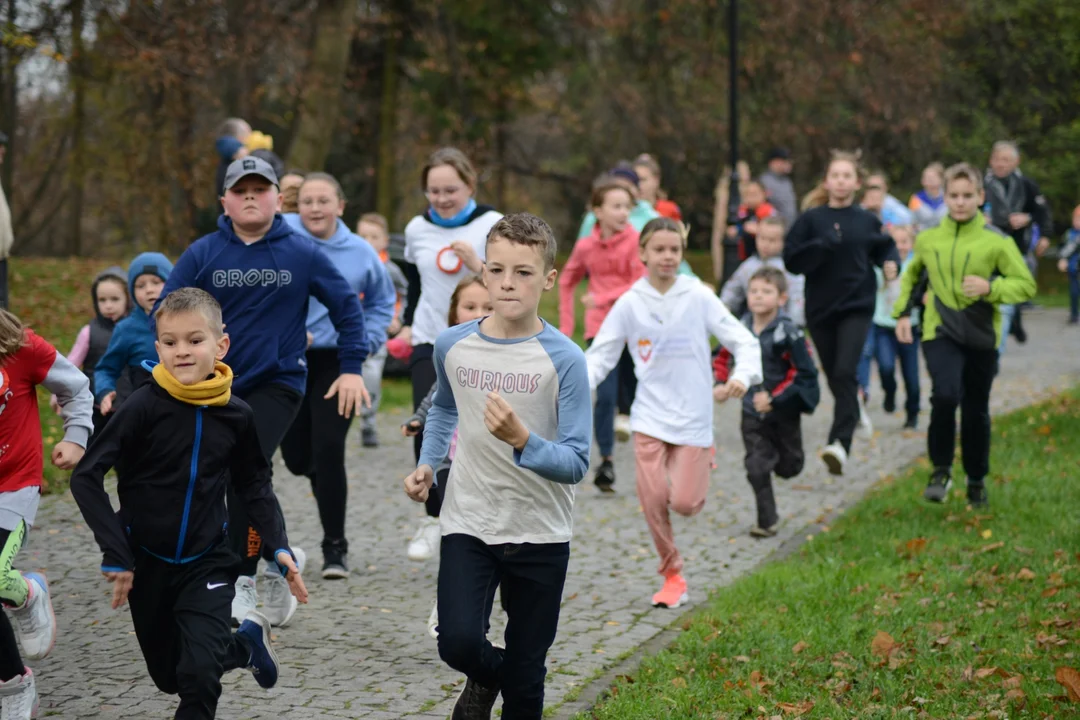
(668, 336)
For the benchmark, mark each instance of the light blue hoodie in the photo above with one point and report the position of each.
(367, 276)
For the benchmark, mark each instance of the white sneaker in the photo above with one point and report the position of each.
(865, 425)
(433, 621)
(622, 428)
(280, 605)
(245, 600)
(834, 456)
(35, 621)
(425, 543)
(18, 697)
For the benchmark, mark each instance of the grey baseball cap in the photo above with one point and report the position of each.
(243, 167)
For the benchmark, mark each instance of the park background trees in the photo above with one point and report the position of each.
(112, 105)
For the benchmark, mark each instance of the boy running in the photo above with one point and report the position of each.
(973, 269)
(262, 272)
(179, 440)
(518, 391)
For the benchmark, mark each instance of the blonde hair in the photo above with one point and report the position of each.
(12, 334)
(662, 224)
(774, 221)
(964, 171)
(819, 195)
(191, 300)
(326, 178)
(526, 229)
(374, 218)
(451, 157)
(466, 282)
(935, 167)
(290, 199)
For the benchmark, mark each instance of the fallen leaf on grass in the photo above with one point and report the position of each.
(1043, 430)
(1025, 574)
(796, 708)
(742, 659)
(915, 546)
(678, 682)
(882, 644)
(968, 674)
(987, 534)
(800, 646)
(1049, 592)
(988, 671)
(943, 640)
(992, 546)
(1070, 680)
(1012, 682)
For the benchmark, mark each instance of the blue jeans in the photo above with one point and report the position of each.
(862, 371)
(886, 350)
(532, 578)
(607, 397)
(1074, 291)
(1007, 312)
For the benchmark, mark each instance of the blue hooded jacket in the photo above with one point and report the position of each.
(367, 276)
(263, 289)
(133, 338)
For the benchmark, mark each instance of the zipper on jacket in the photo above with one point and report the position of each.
(191, 484)
(952, 264)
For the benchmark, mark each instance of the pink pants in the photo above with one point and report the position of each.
(688, 469)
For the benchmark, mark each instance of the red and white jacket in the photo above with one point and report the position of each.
(37, 363)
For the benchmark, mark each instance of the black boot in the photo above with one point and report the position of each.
(767, 519)
(977, 496)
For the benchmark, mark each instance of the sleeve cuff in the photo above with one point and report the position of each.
(113, 568)
(281, 568)
(521, 457)
(78, 435)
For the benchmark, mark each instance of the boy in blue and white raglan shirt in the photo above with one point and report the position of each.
(262, 273)
(518, 392)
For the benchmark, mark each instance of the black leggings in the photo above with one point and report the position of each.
(11, 663)
(839, 343)
(315, 444)
(627, 381)
(422, 374)
(275, 407)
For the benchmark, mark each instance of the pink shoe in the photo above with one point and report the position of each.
(673, 594)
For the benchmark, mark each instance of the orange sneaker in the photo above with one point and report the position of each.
(673, 594)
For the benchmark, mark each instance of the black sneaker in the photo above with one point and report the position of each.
(912, 421)
(938, 487)
(475, 702)
(1017, 328)
(889, 405)
(335, 559)
(605, 477)
(370, 437)
(976, 495)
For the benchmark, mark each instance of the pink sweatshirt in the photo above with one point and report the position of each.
(612, 265)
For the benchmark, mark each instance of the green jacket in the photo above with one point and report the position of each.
(948, 253)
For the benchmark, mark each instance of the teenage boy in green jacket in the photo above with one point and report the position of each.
(972, 270)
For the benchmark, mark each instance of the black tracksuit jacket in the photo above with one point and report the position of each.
(174, 461)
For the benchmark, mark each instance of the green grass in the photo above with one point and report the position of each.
(901, 609)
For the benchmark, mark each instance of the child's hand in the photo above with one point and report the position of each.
(310, 339)
(352, 395)
(292, 575)
(751, 227)
(903, 330)
(1063, 266)
(720, 393)
(1042, 246)
(54, 404)
(394, 327)
(467, 253)
(890, 269)
(419, 482)
(588, 301)
(411, 428)
(503, 422)
(975, 286)
(762, 401)
(106, 403)
(1019, 220)
(735, 389)
(122, 582)
(66, 455)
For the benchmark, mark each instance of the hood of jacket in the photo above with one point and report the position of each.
(114, 272)
(342, 236)
(148, 263)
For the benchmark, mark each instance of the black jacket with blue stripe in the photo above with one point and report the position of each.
(174, 462)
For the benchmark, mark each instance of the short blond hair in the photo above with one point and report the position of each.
(12, 334)
(964, 171)
(374, 218)
(527, 229)
(191, 300)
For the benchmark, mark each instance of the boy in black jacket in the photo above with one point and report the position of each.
(177, 443)
(771, 428)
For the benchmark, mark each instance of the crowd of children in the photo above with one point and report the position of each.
(305, 312)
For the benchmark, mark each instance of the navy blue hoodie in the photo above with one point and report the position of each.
(263, 289)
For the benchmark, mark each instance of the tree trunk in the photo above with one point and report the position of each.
(325, 75)
(77, 177)
(9, 106)
(385, 199)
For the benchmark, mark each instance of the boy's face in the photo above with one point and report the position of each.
(374, 234)
(515, 278)
(251, 203)
(148, 290)
(188, 346)
(762, 297)
(754, 196)
(962, 199)
(770, 241)
(904, 239)
(112, 299)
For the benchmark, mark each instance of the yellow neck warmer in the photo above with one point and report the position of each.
(215, 391)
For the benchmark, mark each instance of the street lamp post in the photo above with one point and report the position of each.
(731, 245)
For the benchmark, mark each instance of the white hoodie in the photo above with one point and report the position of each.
(668, 335)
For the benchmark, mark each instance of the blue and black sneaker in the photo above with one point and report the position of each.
(263, 663)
